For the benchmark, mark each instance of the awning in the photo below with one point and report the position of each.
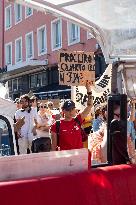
(24, 68)
(111, 22)
(52, 89)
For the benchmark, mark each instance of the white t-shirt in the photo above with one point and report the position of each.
(26, 129)
(43, 120)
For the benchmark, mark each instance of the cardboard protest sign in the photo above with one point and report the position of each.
(75, 68)
(100, 91)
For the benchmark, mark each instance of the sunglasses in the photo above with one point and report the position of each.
(43, 106)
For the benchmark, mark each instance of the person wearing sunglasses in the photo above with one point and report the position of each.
(34, 102)
(44, 120)
(50, 105)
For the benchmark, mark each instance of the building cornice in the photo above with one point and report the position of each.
(24, 68)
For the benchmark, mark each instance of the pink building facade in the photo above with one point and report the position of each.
(29, 45)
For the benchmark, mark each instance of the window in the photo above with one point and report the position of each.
(20, 84)
(10, 85)
(8, 53)
(56, 27)
(15, 84)
(38, 80)
(44, 79)
(73, 33)
(89, 35)
(32, 81)
(28, 11)
(55, 76)
(18, 50)
(29, 45)
(23, 83)
(18, 13)
(42, 41)
(8, 17)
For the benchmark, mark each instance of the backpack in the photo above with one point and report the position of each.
(83, 134)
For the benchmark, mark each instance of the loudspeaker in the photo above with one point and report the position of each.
(117, 130)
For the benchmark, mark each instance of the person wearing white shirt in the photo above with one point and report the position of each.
(44, 120)
(28, 131)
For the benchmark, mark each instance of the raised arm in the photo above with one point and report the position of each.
(87, 110)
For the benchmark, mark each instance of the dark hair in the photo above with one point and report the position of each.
(97, 112)
(50, 103)
(26, 97)
(104, 109)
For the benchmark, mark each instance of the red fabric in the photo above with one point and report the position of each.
(70, 134)
(114, 185)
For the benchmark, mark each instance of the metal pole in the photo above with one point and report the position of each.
(114, 89)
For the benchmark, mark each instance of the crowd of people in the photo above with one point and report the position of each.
(69, 128)
(98, 138)
(36, 119)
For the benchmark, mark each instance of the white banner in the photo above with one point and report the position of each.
(100, 91)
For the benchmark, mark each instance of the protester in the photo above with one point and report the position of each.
(34, 102)
(50, 105)
(69, 135)
(54, 112)
(98, 119)
(135, 130)
(44, 120)
(27, 132)
(18, 104)
(98, 140)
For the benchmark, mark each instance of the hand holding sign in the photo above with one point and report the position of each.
(89, 94)
(88, 86)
